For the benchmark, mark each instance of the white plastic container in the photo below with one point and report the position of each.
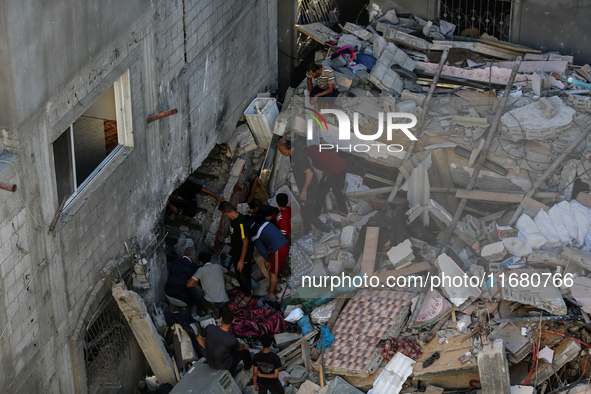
(262, 121)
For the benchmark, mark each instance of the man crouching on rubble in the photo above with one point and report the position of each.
(325, 82)
(222, 349)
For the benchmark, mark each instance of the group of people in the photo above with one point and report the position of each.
(195, 280)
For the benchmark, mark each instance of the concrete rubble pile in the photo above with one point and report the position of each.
(478, 237)
(507, 272)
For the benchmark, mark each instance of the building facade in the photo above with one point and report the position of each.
(80, 79)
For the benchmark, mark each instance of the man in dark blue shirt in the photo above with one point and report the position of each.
(274, 248)
(179, 272)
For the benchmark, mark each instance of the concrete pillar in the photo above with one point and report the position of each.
(134, 310)
(493, 368)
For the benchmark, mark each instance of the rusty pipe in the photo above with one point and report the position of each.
(162, 115)
(11, 187)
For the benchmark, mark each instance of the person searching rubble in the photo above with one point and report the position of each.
(307, 184)
(334, 168)
(209, 284)
(262, 211)
(265, 375)
(283, 218)
(183, 200)
(241, 248)
(222, 349)
(273, 247)
(179, 272)
(325, 82)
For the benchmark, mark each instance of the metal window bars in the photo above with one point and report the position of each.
(487, 16)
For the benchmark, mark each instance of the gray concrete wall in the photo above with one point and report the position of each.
(229, 55)
(557, 25)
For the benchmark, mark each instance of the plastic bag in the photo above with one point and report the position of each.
(555, 214)
(568, 218)
(581, 213)
(528, 228)
(546, 227)
(294, 316)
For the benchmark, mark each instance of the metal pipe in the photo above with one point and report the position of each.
(482, 156)
(162, 115)
(411, 147)
(11, 187)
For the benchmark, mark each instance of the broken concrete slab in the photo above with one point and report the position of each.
(134, 309)
(349, 236)
(494, 252)
(543, 295)
(529, 123)
(454, 285)
(518, 345)
(401, 253)
(493, 369)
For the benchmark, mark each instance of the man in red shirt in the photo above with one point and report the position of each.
(283, 218)
(334, 177)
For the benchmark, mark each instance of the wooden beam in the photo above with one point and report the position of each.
(490, 196)
(297, 344)
(370, 250)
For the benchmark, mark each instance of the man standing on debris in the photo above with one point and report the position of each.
(222, 349)
(325, 82)
(333, 166)
(307, 183)
(274, 248)
(241, 247)
(266, 369)
(209, 285)
(179, 272)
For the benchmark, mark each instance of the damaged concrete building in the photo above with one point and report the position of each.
(80, 80)
(113, 113)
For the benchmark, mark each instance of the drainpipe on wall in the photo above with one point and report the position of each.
(514, 33)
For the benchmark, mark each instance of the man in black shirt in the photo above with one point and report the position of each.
(307, 183)
(241, 247)
(222, 349)
(266, 369)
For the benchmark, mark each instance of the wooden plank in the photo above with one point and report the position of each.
(318, 32)
(490, 196)
(493, 216)
(492, 41)
(532, 207)
(370, 251)
(415, 268)
(296, 344)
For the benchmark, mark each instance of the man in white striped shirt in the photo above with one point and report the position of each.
(325, 82)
